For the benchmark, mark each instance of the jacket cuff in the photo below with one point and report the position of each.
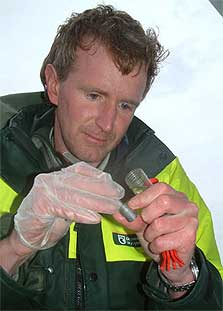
(207, 291)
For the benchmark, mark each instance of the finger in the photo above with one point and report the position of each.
(82, 215)
(100, 183)
(84, 169)
(146, 197)
(164, 225)
(47, 207)
(146, 247)
(102, 186)
(168, 205)
(136, 225)
(183, 245)
(89, 172)
(76, 198)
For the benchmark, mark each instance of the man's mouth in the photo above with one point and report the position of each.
(95, 139)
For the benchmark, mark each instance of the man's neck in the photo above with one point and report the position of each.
(72, 159)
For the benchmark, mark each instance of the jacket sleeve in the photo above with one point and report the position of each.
(207, 294)
(16, 297)
(175, 175)
(13, 296)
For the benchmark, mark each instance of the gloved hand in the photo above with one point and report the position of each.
(77, 193)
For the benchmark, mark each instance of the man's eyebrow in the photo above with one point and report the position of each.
(94, 89)
(132, 102)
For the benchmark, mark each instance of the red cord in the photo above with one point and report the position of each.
(170, 258)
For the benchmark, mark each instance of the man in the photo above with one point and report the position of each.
(63, 161)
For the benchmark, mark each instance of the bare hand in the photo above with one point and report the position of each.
(168, 220)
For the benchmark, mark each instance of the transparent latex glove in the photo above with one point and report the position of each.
(77, 193)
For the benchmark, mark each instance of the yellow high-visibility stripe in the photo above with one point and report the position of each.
(72, 242)
(7, 196)
(115, 252)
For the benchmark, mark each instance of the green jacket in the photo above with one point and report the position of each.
(98, 267)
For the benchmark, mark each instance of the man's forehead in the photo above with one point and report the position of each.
(95, 50)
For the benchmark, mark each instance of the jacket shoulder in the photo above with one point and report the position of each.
(12, 103)
(146, 150)
(21, 160)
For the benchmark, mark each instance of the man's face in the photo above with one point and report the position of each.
(95, 104)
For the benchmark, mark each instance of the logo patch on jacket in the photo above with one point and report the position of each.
(126, 239)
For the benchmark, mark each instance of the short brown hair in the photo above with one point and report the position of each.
(123, 36)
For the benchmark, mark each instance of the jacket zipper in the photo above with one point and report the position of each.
(79, 286)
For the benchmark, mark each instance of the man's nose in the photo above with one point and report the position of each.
(106, 117)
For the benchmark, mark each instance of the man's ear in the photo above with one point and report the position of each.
(52, 83)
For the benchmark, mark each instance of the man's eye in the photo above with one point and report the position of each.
(92, 96)
(126, 106)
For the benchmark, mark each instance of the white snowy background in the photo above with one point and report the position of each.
(184, 106)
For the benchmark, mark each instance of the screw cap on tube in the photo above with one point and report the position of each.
(127, 212)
